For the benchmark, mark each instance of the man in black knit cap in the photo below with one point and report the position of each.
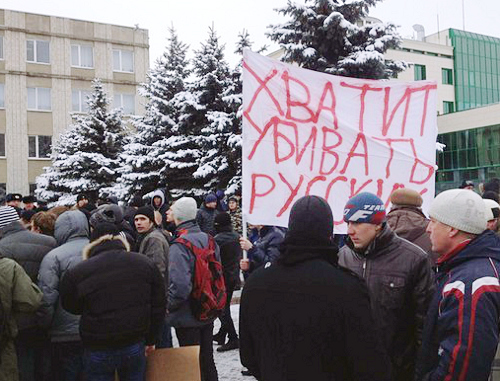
(304, 317)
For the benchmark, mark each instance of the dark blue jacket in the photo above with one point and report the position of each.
(266, 248)
(461, 330)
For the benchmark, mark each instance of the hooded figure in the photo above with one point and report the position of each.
(307, 307)
(72, 235)
(160, 205)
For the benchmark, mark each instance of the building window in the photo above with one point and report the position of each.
(2, 145)
(38, 51)
(420, 72)
(39, 146)
(126, 102)
(39, 99)
(79, 101)
(82, 56)
(448, 107)
(1, 47)
(123, 60)
(32, 188)
(447, 75)
(2, 95)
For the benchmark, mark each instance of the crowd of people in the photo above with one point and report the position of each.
(87, 291)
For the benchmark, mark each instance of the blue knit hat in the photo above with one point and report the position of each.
(365, 207)
(210, 198)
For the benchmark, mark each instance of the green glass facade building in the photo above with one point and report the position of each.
(472, 154)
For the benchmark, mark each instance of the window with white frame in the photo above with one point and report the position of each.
(39, 99)
(126, 102)
(82, 56)
(38, 51)
(2, 95)
(123, 60)
(39, 146)
(1, 48)
(79, 100)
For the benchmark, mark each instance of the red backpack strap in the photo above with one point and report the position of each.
(197, 251)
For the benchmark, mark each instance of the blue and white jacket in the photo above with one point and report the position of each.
(461, 330)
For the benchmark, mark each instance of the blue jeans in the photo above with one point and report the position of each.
(129, 362)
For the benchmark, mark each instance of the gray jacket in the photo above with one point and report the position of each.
(28, 249)
(71, 232)
(155, 247)
(181, 271)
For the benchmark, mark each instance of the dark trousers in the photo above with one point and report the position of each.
(227, 324)
(33, 355)
(67, 361)
(129, 362)
(164, 336)
(201, 336)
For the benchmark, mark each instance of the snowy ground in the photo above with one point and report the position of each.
(227, 363)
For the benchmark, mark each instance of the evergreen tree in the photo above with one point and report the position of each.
(325, 35)
(86, 157)
(144, 158)
(206, 127)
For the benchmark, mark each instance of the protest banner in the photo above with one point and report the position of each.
(306, 132)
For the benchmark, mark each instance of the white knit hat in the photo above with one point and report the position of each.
(184, 209)
(461, 209)
(7, 215)
(490, 205)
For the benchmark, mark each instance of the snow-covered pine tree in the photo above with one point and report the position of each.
(325, 35)
(144, 161)
(86, 158)
(197, 156)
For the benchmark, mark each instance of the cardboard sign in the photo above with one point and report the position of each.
(174, 364)
(306, 132)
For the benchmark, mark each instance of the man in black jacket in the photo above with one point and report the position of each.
(28, 249)
(398, 275)
(304, 318)
(121, 299)
(230, 252)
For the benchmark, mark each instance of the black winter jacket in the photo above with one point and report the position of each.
(120, 295)
(400, 280)
(230, 254)
(25, 247)
(309, 320)
(205, 219)
(28, 249)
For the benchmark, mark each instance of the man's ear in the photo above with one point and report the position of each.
(453, 232)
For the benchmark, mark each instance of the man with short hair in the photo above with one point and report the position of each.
(190, 330)
(461, 329)
(304, 317)
(398, 275)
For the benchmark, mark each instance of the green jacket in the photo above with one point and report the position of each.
(17, 294)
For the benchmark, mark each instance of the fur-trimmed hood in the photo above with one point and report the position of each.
(89, 250)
